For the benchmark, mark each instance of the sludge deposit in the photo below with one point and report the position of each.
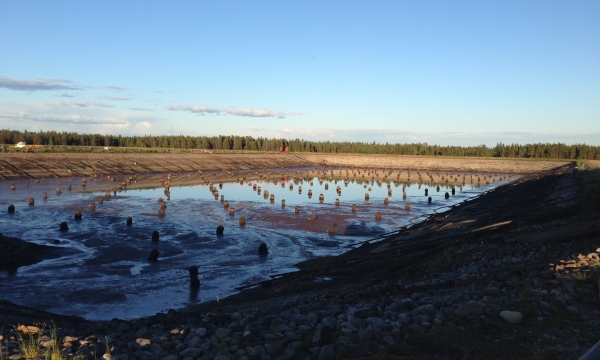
(298, 212)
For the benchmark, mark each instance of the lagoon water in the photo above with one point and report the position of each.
(106, 274)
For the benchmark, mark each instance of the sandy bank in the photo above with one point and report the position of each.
(40, 165)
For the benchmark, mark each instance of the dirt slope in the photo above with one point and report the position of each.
(39, 165)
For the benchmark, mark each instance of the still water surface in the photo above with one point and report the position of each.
(108, 274)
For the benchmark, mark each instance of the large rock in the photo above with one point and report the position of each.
(491, 291)
(142, 344)
(389, 340)
(251, 352)
(322, 336)
(46, 344)
(29, 329)
(419, 319)
(408, 303)
(222, 332)
(511, 317)
(427, 309)
(490, 299)
(572, 309)
(471, 305)
(419, 295)
(330, 322)
(246, 320)
(365, 334)
(191, 353)
(124, 327)
(156, 350)
(365, 312)
(326, 352)
(279, 326)
(254, 327)
(222, 357)
(195, 342)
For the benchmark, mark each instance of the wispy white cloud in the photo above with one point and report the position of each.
(239, 111)
(66, 95)
(142, 127)
(118, 88)
(254, 112)
(141, 109)
(58, 103)
(80, 103)
(165, 92)
(196, 109)
(97, 103)
(38, 84)
(65, 119)
(254, 128)
(114, 98)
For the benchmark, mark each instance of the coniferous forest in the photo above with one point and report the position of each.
(248, 143)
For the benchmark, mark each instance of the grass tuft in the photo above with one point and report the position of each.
(29, 344)
(53, 353)
(3, 356)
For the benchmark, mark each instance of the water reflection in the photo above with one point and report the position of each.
(108, 274)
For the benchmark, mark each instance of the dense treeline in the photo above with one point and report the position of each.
(551, 151)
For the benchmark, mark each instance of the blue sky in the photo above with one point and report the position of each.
(443, 72)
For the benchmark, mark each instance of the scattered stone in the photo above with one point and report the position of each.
(408, 303)
(495, 292)
(142, 344)
(365, 312)
(29, 330)
(511, 317)
(221, 333)
(326, 352)
(191, 353)
(427, 309)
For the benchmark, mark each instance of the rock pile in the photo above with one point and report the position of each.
(512, 292)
